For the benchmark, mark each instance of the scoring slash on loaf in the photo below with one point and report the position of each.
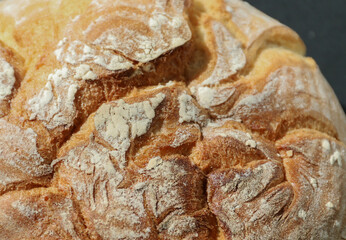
(164, 119)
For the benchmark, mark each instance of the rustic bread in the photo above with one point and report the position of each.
(164, 119)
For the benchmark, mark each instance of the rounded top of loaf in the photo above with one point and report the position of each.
(164, 119)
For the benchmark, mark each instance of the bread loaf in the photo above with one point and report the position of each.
(164, 119)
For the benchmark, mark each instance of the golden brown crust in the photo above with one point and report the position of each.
(158, 119)
(40, 214)
(153, 202)
(21, 164)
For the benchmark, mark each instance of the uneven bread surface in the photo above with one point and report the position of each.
(158, 119)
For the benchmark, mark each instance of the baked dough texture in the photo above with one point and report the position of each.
(164, 119)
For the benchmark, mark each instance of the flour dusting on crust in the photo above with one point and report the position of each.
(209, 97)
(242, 198)
(188, 110)
(122, 213)
(7, 79)
(162, 28)
(229, 54)
(54, 105)
(120, 124)
(318, 179)
(249, 20)
(292, 88)
(19, 158)
(243, 138)
(79, 54)
(39, 214)
(115, 213)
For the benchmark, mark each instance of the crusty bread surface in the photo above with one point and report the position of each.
(164, 119)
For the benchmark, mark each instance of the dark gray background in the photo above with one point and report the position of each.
(322, 26)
